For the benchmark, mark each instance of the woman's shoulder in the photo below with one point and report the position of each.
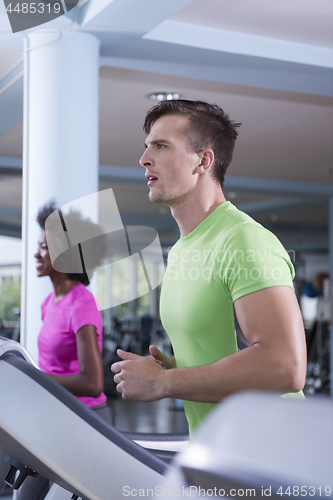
(47, 300)
(80, 295)
(84, 309)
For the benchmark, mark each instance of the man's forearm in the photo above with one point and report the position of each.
(253, 368)
(276, 363)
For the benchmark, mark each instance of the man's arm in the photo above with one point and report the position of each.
(276, 359)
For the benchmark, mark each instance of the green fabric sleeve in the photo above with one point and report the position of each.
(254, 259)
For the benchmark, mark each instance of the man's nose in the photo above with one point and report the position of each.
(145, 161)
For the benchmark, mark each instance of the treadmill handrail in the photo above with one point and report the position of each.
(15, 358)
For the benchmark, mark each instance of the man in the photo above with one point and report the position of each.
(223, 262)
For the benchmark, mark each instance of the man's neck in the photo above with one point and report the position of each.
(191, 213)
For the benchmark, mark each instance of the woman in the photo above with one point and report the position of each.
(70, 341)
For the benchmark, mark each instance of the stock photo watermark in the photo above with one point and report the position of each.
(78, 246)
(227, 264)
(24, 14)
(197, 491)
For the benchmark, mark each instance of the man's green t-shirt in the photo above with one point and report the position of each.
(227, 256)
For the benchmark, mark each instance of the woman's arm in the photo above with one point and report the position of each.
(90, 381)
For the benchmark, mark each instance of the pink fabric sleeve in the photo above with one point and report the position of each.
(85, 312)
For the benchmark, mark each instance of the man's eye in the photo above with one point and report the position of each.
(160, 146)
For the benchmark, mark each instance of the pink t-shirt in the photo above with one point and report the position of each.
(57, 339)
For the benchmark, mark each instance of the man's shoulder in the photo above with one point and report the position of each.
(231, 220)
(226, 225)
(237, 230)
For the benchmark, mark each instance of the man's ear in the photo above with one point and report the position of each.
(206, 158)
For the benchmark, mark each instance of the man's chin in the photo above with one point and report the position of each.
(159, 201)
(158, 198)
(154, 197)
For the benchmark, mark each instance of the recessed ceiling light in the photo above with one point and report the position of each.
(231, 195)
(164, 96)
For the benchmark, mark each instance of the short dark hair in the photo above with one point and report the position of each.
(76, 219)
(209, 127)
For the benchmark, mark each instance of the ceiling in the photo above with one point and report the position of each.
(284, 20)
(268, 64)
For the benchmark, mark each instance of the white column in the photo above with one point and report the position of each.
(60, 146)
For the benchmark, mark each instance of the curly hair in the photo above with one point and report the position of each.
(209, 127)
(86, 225)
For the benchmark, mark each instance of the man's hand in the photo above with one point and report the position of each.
(139, 378)
(162, 358)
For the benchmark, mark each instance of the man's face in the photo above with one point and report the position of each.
(170, 167)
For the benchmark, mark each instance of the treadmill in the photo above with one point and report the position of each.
(255, 444)
(45, 429)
